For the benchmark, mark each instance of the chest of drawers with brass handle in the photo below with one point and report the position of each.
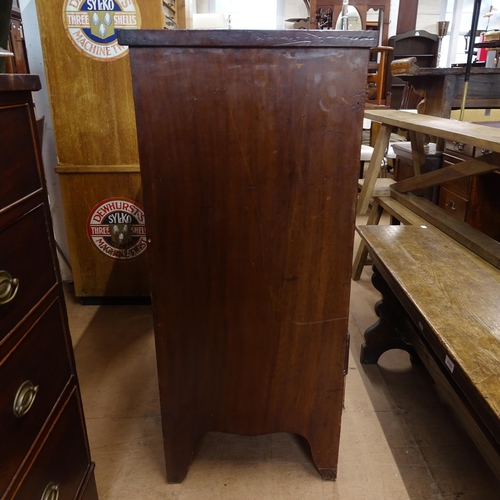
(44, 452)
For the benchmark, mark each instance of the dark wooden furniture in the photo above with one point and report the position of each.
(475, 199)
(44, 450)
(442, 88)
(443, 310)
(249, 190)
(416, 43)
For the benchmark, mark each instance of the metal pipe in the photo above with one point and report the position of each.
(470, 53)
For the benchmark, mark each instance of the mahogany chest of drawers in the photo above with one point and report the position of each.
(44, 452)
(249, 152)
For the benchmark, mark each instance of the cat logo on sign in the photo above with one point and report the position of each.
(91, 26)
(117, 228)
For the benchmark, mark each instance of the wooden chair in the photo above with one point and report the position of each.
(377, 75)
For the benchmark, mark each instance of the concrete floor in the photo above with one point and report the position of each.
(398, 440)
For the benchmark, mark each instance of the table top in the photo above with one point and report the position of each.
(475, 70)
(457, 297)
(481, 136)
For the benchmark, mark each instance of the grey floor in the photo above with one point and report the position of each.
(398, 440)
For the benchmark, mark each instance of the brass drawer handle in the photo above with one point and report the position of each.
(458, 146)
(8, 287)
(451, 204)
(51, 492)
(25, 397)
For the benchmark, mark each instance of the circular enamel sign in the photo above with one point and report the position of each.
(91, 25)
(117, 228)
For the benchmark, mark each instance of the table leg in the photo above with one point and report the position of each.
(374, 168)
(390, 331)
(362, 252)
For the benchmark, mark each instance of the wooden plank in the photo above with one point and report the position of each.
(477, 103)
(482, 165)
(407, 17)
(399, 211)
(362, 251)
(394, 208)
(445, 128)
(417, 151)
(374, 168)
(482, 245)
(248, 38)
(96, 169)
(408, 217)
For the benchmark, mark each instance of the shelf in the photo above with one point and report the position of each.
(494, 44)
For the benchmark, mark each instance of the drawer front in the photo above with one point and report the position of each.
(25, 254)
(63, 461)
(460, 147)
(42, 359)
(18, 159)
(459, 186)
(453, 204)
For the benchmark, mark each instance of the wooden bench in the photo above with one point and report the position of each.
(441, 303)
(482, 137)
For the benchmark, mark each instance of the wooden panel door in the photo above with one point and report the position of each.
(249, 148)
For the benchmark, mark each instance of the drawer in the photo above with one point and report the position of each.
(460, 147)
(459, 186)
(19, 174)
(453, 204)
(63, 462)
(26, 255)
(41, 357)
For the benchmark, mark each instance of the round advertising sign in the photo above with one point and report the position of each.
(117, 228)
(91, 25)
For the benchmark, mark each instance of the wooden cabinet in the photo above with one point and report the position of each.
(420, 44)
(249, 149)
(474, 200)
(44, 443)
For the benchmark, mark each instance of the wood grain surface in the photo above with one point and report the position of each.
(457, 298)
(249, 161)
(482, 245)
(483, 164)
(468, 133)
(94, 127)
